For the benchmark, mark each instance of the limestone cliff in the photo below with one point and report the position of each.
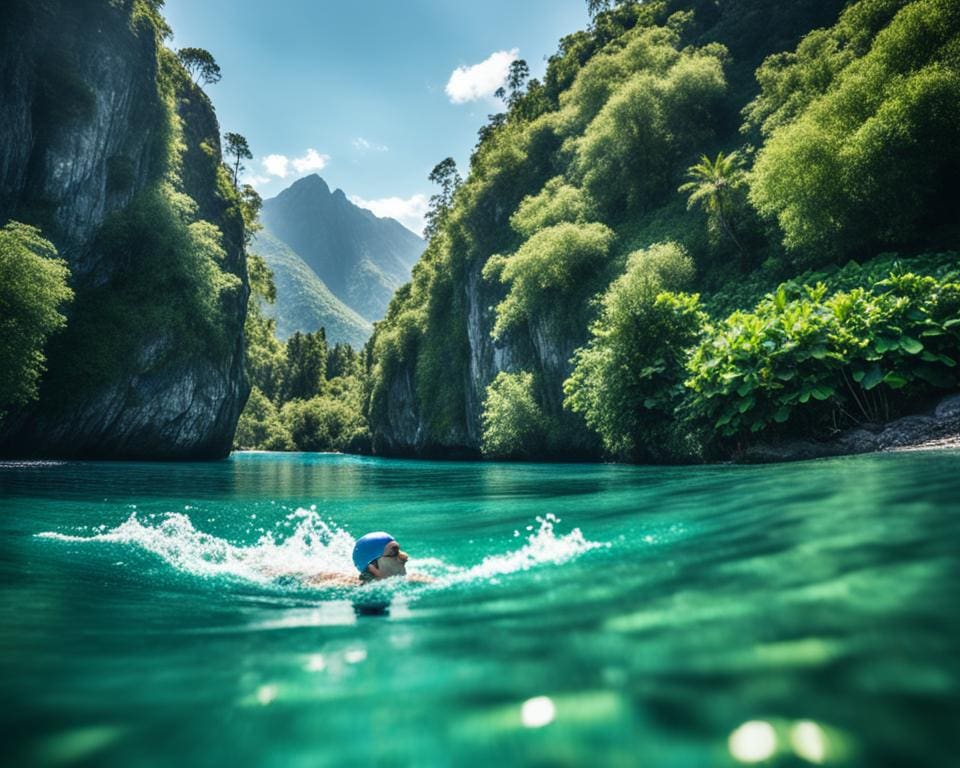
(90, 106)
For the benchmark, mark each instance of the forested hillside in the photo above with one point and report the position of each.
(710, 223)
(304, 303)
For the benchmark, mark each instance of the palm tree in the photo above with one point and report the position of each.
(714, 186)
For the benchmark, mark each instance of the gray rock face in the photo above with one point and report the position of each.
(539, 347)
(81, 123)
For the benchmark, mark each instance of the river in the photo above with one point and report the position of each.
(598, 615)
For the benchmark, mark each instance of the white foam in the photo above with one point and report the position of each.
(314, 547)
(543, 546)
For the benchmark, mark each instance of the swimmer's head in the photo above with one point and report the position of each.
(378, 556)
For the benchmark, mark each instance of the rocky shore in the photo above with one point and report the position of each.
(937, 428)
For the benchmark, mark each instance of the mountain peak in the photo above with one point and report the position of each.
(311, 183)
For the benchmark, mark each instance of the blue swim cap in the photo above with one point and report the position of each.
(369, 547)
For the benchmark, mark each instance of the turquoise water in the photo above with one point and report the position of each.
(581, 615)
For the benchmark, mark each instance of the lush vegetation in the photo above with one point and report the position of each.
(306, 395)
(33, 290)
(621, 261)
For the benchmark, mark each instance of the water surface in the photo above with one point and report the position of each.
(581, 614)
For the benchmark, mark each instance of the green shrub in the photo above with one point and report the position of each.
(628, 381)
(628, 154)
(328, 422)
(260, 426)
(847, 358)
(556, 203)
(550, 270)
(33, 290)
(512, 423)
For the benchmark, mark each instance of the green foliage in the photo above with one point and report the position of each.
(551, 270)
(342, 360)
(331, 421)
(628, 380)
(718, 186)
(200, 64)
(863, 146)
(265, 355)
(260, 426)
(237, 148)
(513, 425)
(627, 155)
(556, 203)
(33, 290)
(447, 177)
(157, 251)
(828, 360)
(306, 365)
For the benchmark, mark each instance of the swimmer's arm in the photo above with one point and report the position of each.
(331, 579)
(420, 578)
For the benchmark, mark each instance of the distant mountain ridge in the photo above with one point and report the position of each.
(361, 258)
(304, 303)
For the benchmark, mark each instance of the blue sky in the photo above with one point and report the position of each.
(365, 93)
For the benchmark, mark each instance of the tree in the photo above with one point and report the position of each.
(596, 7)
(628, 380)
(306, 365)
(265, 355)
(446, 175)
(237, 148)
(33, 287)
(493, 123)
(718, 186)
(512, 423)
(516, 77)
(260, 426)
(200, 64)
(250, 205)
(342, 361)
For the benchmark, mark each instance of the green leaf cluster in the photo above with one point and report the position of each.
(813, 356)
(33, 291)
(551, 270)
(260, 426)
(330, 421)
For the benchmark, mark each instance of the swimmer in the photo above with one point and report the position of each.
(377, 556)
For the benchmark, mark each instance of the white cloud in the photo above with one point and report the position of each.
(363, 145)
(255, 180)
(408, 211)
(312, 161)
(276, 165)
(281, 166)
(480, 80)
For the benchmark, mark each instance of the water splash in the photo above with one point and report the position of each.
(543, 546)
(314, 549)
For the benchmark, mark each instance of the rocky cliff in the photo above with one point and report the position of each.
(109, 148)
